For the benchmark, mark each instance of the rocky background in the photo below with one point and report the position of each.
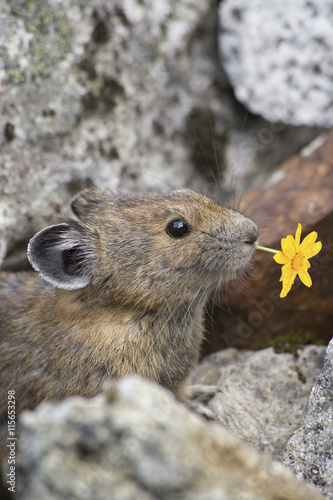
(229, 98)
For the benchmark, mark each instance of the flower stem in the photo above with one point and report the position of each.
(268, 249)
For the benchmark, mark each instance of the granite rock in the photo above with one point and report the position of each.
(137, 441)
(279, 58)
(309, 452)
(262, 396)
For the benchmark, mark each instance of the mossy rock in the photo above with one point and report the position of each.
(290, 342)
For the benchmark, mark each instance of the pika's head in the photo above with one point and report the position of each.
(151, 249)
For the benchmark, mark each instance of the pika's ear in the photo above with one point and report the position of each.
(64, 255)
(89, 202)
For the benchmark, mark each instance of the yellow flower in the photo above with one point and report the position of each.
(295, 257)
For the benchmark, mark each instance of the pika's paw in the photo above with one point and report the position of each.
(198, 396)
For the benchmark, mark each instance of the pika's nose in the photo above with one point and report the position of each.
(252, 235)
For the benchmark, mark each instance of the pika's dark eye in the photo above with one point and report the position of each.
(178, 228)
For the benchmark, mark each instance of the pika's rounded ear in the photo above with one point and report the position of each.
(64, 255)
(89, 202)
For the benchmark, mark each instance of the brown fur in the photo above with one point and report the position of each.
(137, 300)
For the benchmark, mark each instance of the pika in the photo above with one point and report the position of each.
(121, 290)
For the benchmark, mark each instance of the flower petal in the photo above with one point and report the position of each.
(288, 278)
(281, 258)
(285, 269)
(312, 250)
(306, 264)
(298, 234)
(304, 276)
(288, 246)
(308, 240)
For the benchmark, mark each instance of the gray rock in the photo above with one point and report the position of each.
(263, 395)
(258, 147)
(138, 442)
(279, 58)
(309, 451)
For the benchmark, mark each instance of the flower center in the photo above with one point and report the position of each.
(297, 261)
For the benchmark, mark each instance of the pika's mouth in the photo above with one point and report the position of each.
(250, 247)
(253, 242)
(252, 238)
